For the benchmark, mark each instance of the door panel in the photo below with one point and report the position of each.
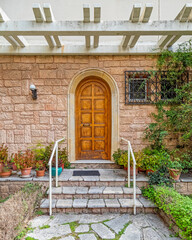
(93, 120)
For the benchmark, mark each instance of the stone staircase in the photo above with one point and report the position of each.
(106, 193)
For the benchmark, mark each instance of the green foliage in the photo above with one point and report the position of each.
(160, 177)
(175, 165)
(3, 154)
(2, 200)
(44, 227)
(117, 154)
(63, 156)
(178, 207)
(23, 233)
(39, 213)
(30, 238)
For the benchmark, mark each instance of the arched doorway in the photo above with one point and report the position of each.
(93, 119)
(105, 77)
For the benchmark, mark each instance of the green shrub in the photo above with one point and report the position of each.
(178, 207)
(117, 154)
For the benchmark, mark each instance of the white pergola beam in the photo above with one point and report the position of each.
(135, 14)
(125, 41)
(164, 40)
(39, 16)
(185, 12)
(3, 16)
(21, 41)
(97, 13)
(96, 41)
(57, 41)
(173, 40)
(50, 41)
(12, 41)
(86, 13)
(106, 28)
(87, 41)
(145, 16)
(48, 12)
(133, 40)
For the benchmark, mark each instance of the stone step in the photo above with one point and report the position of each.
(94, 164)
(119, 205)
(93, 192)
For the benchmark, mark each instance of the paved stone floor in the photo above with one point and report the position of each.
(95, 227)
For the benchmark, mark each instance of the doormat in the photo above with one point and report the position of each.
(86, 173)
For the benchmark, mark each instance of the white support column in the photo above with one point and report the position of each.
(125, 41)
(135, 14)
(87, 41)
(86, 13)
(48, 12)
(97, 13)
(96, 41)
(145, 16)
(3, 16)
(11, 40)
(50, 41)
(39, 16)
(21, 41)
(57, 40)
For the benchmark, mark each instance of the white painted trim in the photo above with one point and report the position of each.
(114, 108)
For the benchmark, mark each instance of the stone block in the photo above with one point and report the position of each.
(80, 203)
(103, 231)
(113, 190)
(112, 203)
(89, 236)
(64, 203)
(82, 229)
(96, 203)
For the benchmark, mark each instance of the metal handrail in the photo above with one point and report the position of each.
(134, 172)
(55, 149)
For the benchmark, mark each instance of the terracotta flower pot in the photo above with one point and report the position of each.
(40, 173)
(131, 170)
(14, 167)
(62, 165)
(149, 171)
(5, 174)
(26, 171)
(175, 173)
(1, 167)
(141, 170)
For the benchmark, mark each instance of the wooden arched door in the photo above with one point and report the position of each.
(93, 119)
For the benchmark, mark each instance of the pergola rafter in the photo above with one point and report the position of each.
(131, 30)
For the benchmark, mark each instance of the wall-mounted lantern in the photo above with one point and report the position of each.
(34, 91)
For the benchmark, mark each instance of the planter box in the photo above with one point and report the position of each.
(54, 171)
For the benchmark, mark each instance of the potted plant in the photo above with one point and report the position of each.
(6, 172)
(63, 157)
(40, 169)
(3, 156)
(54, 167)
(24, 161)
(175, 169)
(123, 160)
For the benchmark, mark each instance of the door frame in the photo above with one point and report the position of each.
(93, 72)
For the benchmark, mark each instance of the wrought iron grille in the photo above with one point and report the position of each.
(144, 87)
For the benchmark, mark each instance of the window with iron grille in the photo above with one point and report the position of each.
(142, 87)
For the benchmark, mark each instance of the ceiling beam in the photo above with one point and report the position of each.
(21, 41)
(39, 16)
(125, 41)
(50, 41)
(173, 40)
(97, 13)
(57, 40)
(145, 16)
(133, 40)
(3, 16)
(185, 12)
(135, 14)
(96, 41)
(86, 13)
(106, 28)
(164, 40)
(48, 12)
(12, 41)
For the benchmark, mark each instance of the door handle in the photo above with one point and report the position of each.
(86, 124)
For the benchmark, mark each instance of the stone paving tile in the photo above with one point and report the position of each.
(90, 178)
(117, 224)
(39, 221)
(131, 233)
(150, 234)
(112, 203)
(87, 237)
(113, 190)
(48, 233)
(65, 175)
(60, 218)
(64, 203)
(56, 190)
(45, 203)
(75, 178)
(69, 190)
(103, 231)
(93, 218)
(82, 190)
(80, 203)
(129, 203)
(67, 238)
(140, 221)
(130, 190)
(146, 203)
(96, 203)
(96, 190)
(82, 229)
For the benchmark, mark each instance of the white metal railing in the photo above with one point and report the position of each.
(55, 149)
(130, 151)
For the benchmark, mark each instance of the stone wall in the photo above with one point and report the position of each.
(25, 122)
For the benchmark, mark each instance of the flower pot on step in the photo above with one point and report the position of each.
(26, 171)
(175, 173)
(149, 171)
(40, 173)
(1, 167)
(5, 174)
(54, 171)
(131, 170)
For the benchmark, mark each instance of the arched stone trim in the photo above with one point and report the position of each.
(71, 108)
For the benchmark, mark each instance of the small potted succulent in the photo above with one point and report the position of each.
(3, 156)
(24, 161)
(40, 169)
(175, 169)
